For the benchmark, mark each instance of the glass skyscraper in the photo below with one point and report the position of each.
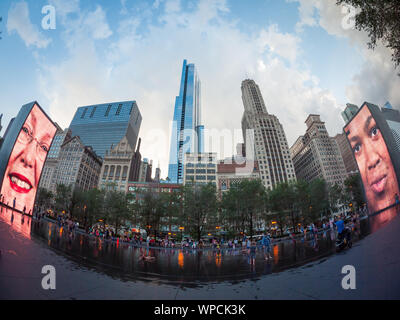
(104, 125)
(187, 131)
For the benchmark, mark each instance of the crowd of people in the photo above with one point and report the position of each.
(245, 243)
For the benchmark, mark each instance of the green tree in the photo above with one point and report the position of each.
(62, 196)
(243, 206)
(381, 20)
(93, 207)
(303, 198)
(44, 197)
(77, 202)
(116, 205)
(337, 197)
(253, 195)
(232, 212)
(281, 201)
(171, 206)
(199, 208)
(319, 203)
(354, 190)
(150, 212)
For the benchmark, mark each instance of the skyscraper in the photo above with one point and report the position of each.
(349, 112)
(103, 126)
(269, 142)
(47, 179)
(187, 131)
(349, 161)
(316, 155)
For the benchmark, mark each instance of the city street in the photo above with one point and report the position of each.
(375, 259)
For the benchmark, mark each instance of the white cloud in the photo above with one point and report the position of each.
(19, 21)
(96, 22)
(284, 45)
(172, 6)
(156, 4)
(377, 80)
(147, 68)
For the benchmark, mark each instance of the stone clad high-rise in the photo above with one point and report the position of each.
(316, 155)
(265, 139)
(187, 131)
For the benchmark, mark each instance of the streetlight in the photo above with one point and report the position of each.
(181, 228)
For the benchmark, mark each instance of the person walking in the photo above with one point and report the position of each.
(266, 242)
(252, 252)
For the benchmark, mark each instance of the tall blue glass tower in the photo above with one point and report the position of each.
(104, 125)
(187, 131)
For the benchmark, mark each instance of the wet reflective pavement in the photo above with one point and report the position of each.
(204, 274)
(172, 264)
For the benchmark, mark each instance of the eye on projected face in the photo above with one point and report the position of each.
(26, 161)
(373, 159)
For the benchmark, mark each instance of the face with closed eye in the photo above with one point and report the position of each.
(27, 158)
(373, 159)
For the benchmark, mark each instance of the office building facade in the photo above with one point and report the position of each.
(116, 166)
(349, 112)
(103, 126)
(187, 131)
(316, 155)
(228, 174)
(200, 168)
(78, 166)
(46, 180)
(265, 139)
(349, 161)
(145, 171)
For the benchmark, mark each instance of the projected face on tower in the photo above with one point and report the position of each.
(373, 159)
(26, 161)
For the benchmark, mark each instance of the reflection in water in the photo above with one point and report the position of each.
(184, 265)
(18, 222)
(218, 260)
(276, 254)
(180, 259)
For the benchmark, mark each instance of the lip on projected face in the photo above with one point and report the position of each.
(20, 183)
(379, 184)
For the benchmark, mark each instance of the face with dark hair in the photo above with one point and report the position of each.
(26, 161)
(373, 159)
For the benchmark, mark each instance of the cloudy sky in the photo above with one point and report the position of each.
(303, 54)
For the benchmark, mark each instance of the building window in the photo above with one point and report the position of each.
(93, 111)
(118, 110)
(105, 172)
(108, 110)
(111, 175)
(118, 173)
(84, 113)
(124, 173)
